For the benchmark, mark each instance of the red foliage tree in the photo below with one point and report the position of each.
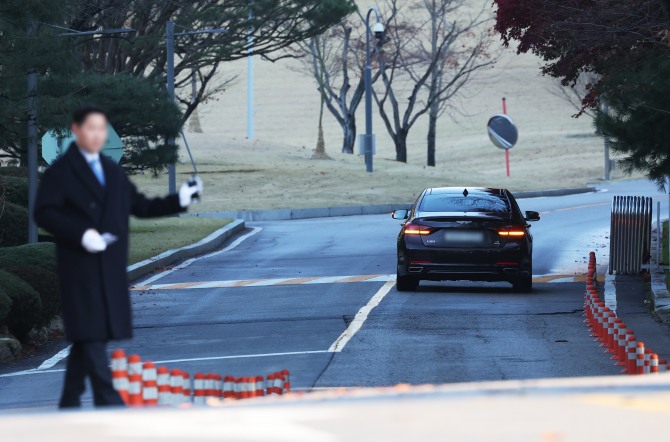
(576, 36)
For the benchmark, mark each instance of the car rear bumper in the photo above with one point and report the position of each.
(506, 264)
(435, 272)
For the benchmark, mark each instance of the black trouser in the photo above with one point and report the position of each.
(89, 359)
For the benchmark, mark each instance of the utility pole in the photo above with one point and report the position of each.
(172, 167)
(170, 36)
(31, 105)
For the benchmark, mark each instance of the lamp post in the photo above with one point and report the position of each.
(31, 105)
(379, 34)
(170, 34)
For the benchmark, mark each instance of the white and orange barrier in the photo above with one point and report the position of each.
(613, 334)
(144, 384)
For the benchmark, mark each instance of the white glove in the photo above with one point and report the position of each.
(188, 191)
(93, 242)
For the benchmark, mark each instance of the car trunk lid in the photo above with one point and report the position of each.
(462, 230)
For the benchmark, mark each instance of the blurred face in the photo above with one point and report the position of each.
(92, 133)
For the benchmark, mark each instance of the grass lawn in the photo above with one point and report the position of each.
(150, 237)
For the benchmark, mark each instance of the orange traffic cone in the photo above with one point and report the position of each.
(164, 394)
(149, 384)
(135, 381)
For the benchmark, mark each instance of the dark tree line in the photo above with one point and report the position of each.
(126, 73)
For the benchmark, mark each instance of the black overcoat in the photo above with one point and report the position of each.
(94, 287)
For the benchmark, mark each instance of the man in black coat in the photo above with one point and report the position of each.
(85, 201)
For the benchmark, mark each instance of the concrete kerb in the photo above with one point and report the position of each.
(327, 212)
(660, 297)
(211, 242)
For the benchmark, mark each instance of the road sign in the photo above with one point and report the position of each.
(503, 132)
(55, 145)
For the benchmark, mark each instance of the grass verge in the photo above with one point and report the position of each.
(151, 237)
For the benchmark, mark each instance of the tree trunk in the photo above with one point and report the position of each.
(349, 138)
(401, 147)
(194, 120)
(432, 134)
(320, 151)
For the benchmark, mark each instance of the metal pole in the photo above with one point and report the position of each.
(172, 169)
(31, 89)
(250, 83)
(608, 164)
(659, 231)
(368, 97)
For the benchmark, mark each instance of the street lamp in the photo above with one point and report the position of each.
(31, 82)
(169, 26)
(379, 35)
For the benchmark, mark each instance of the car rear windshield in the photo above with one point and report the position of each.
(472, 203)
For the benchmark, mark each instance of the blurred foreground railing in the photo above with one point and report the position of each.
(630, 234)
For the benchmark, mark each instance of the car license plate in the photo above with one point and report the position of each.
(464, 237)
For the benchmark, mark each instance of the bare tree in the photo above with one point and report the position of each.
(333, 59)
(320, 150)
(432, 73)
(274, 25)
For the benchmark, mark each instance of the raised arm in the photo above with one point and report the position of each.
(143, 207)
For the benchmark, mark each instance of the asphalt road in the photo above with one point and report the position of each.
(302, 295)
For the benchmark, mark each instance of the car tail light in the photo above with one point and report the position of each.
(417, 229)
(512, 232)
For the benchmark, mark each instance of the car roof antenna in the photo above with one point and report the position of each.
(465, 192)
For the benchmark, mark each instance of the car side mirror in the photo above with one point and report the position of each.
(400, 214)
(532, 216)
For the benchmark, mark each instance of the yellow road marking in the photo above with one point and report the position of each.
(273, 282)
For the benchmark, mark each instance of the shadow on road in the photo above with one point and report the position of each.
(478, 288)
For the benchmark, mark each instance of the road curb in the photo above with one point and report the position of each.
(211, 242)
(660, 297)
(554, 192)
(328, 212)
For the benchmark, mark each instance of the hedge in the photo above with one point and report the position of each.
(16, 190)
(29, 255)
(20, 172)
(13, 225)
(26, 305)
(5, 306)
(45, 283)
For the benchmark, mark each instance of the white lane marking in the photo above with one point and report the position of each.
(55, 359)
(174, 361)
(360, 318)
(326, 280)
(188, 262)
(215, 284)
(260, 355)
(267, 282)
(31, 371)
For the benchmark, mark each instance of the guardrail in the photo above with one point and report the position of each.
(630, 234)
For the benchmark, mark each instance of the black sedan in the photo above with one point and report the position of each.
(474, 234)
